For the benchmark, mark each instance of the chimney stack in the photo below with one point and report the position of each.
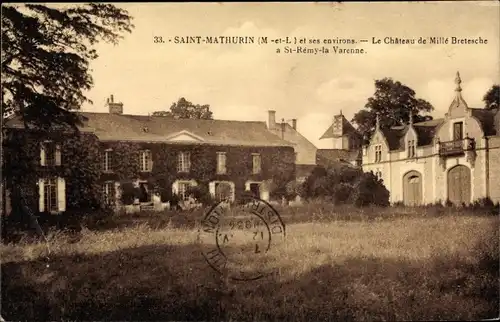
(114, 108)
(271, 124)
(294, 124)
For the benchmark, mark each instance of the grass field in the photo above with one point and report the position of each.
(393, 264)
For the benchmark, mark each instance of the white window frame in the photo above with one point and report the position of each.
(213, 190)
(221, 165)
(107, 188)
(45, 186)
(55, 159)
(182, 192)
(256, 166)
(107, 160)
(145, 160)
(183, 162)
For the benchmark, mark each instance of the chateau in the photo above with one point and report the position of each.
(448, 159)
(160, 156)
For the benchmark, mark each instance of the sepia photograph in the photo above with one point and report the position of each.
(251, 161)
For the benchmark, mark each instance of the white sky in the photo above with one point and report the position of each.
(243, 82)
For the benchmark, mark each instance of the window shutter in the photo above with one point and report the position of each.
(42, 154)
(61, 194)
(58, 154)
(211, 188)
(41, 192)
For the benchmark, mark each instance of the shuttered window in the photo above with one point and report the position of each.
(52, 195)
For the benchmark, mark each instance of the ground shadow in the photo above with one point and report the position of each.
(172, 282)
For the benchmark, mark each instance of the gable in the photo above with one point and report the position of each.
(184, 136)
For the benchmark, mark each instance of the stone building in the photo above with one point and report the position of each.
(451, 158)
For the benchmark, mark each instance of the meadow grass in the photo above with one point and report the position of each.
(392, 264)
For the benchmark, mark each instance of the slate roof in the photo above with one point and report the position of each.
(142, 128)
(306, 150)
(426, 131)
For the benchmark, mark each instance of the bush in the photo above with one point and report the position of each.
(129, 193)
(342, 193)
(370, 190)
(201, 194)
(294, 189)
(346, 185)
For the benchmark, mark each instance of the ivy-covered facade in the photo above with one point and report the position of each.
(121, 160)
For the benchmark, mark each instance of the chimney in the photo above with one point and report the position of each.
(271, 124)
(114, 108)
(294, 124)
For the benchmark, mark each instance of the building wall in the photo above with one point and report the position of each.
(493, 168)
(276, 163)
(395, 164)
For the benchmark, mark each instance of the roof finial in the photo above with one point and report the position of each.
(341, 112)
(377, 122)
(458, 81)
(411, 117)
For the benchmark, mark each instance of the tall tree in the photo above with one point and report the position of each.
(393, 102)
(492, 98)
(185, 109)
(46, 51)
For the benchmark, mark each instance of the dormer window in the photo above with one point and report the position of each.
(378, 153)
(411, 149)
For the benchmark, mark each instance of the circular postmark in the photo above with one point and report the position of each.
(236, 240)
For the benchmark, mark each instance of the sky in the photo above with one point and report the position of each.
(243, 82)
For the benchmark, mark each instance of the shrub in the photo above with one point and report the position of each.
(345, 184)
(292, 189)
(129, 193)
(370, 190)
(342, 193)
(483, 203)
(201, 194)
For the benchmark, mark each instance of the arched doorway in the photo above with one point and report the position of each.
(412, 188)
(459, 185)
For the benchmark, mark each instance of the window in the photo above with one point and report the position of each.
(183, 162)
(145, 160)
(221, 162)
(50, 198)
(414, 180)
(106, 160)
(182, 190)
(108, 192)
(378, 153)
(256, 163)
(50, 154)
(458, 131)
(224, 191)
(52, 194)
(411, 149)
